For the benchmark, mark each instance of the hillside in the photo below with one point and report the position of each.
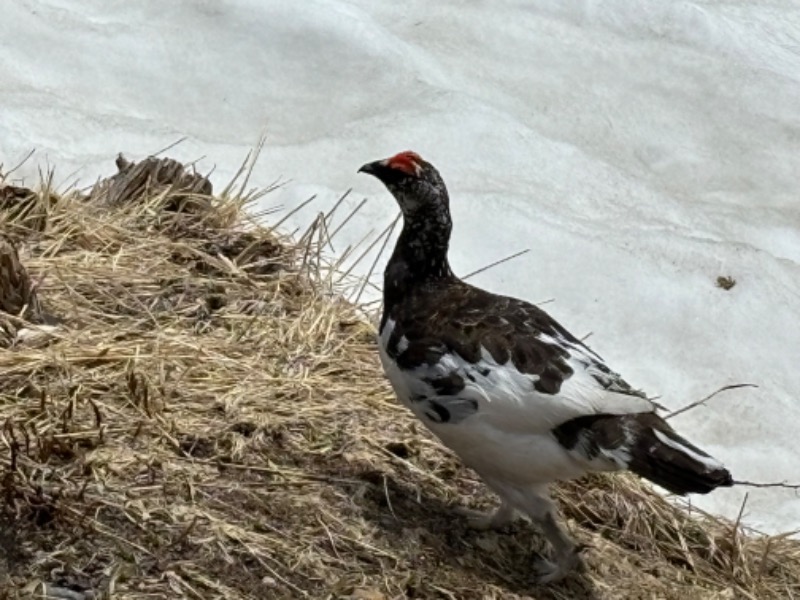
(188, 409)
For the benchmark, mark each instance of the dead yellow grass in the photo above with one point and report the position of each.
(188, 411)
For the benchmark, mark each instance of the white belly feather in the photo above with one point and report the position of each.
(509, 434)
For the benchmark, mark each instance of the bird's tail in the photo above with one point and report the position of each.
(645, 444)
(662, 456)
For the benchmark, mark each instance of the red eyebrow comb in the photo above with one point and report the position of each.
(408, 162)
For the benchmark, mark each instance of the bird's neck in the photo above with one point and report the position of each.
(420, 255)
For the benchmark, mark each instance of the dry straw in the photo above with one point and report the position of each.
(189, 410)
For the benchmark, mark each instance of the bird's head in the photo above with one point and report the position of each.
(414, 182)
(421, 249)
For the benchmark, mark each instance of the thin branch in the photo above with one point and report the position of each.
(288, 215)
(348, 217)
(170, 146)
(784, 485)
(18, 165)
(707, 398)
(252, 158)
(497, 262)
(377, 258)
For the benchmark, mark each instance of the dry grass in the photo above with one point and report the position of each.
(200, 417)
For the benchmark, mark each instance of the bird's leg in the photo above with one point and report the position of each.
(503, 515)
(566, 557)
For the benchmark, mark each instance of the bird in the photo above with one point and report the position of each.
(516, 396)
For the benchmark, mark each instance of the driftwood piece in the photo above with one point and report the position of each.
(17, 289)
(19, 302)
(23, 208)
(152, 177)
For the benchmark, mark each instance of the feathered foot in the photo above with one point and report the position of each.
(491, 521)
(566, 556)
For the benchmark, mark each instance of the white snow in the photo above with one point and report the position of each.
(640, 149)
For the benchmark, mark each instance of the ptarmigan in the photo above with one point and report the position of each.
(515, 395)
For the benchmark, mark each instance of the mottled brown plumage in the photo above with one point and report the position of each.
(454, 317)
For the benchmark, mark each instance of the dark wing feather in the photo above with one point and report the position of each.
(453, 316)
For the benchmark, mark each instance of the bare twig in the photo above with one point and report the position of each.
(784, 485)
(497, 262)
(387, 235)
(707, 398)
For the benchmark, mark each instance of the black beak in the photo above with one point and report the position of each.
(378, 169)
(374, 168)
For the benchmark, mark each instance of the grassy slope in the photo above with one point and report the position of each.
(205, 420)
